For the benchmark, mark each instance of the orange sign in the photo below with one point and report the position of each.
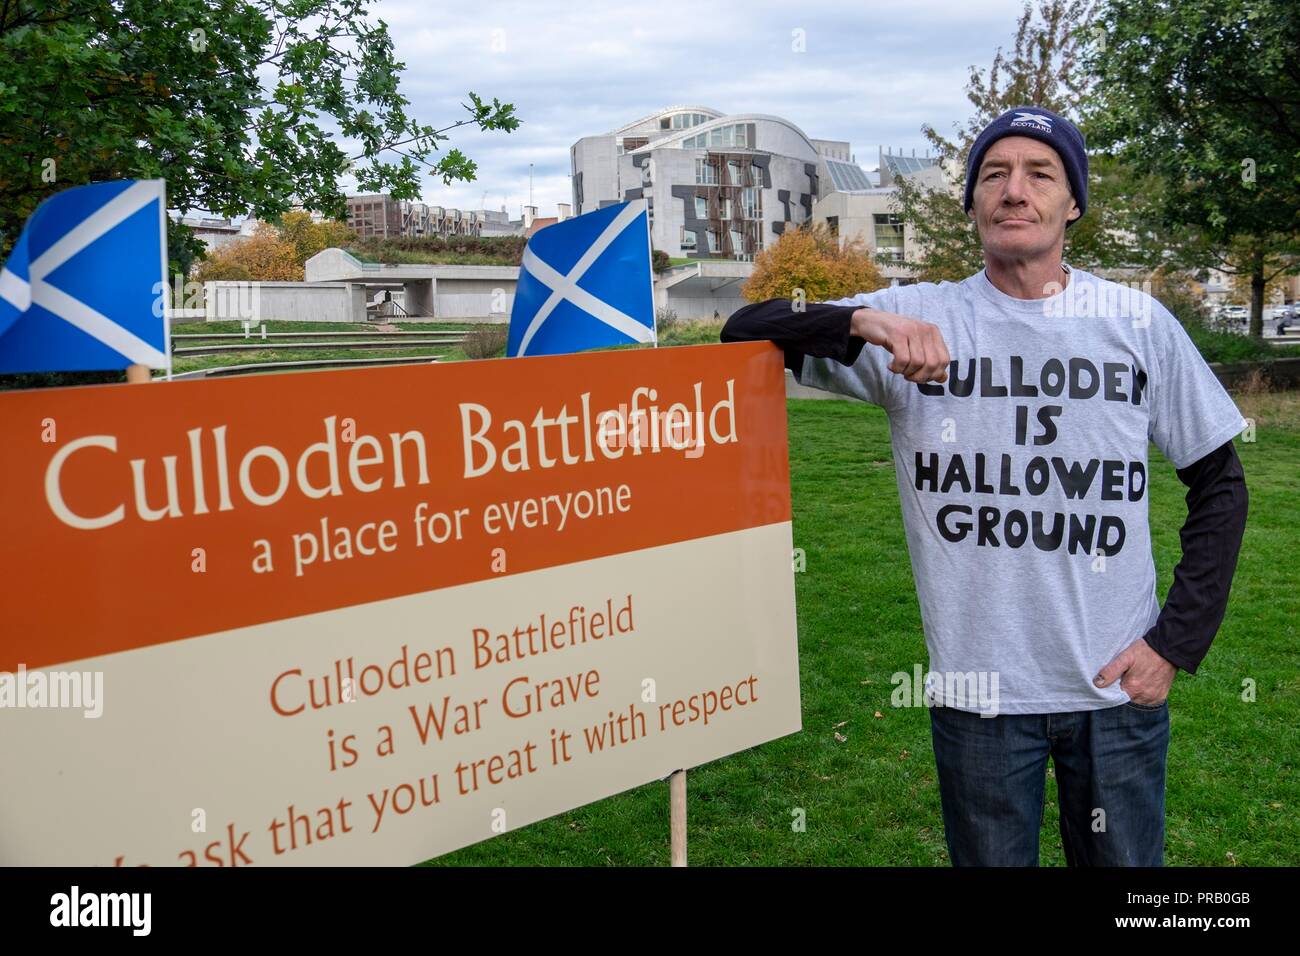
(427, 604)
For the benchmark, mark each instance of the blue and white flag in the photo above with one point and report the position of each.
(85, 285)
(585, 283)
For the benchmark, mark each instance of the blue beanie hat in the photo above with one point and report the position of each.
(1041, 124)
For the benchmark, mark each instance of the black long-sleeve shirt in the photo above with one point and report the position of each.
(1217, 499)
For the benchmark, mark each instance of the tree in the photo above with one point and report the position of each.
(948, 243)
(1241, 278)
(810, 258)
(309, 237)
(1042, 69)
(263, 256)
(1205, 95)
(239, 104)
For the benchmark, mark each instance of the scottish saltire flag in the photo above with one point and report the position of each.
(85, 284)
(585, 282)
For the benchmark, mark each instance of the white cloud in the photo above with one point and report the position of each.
(871, 73)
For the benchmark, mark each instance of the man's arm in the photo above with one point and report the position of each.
(839, 332)
(1211, 539)
(820, 329)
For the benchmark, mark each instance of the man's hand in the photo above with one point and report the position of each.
(1143, 674)
(920, 353)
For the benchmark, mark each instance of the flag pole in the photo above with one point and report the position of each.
(677, 815)
(167, 302)
(137, 374)
(649, 251)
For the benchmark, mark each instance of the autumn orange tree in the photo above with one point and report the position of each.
(262, 256)
(272, 252)
(811, 259)
(310, 237)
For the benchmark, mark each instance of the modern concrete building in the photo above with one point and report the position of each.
(381, 216)
(531, 222)
(341, 288)
(215, 233)
(452, 292)
(865, 208)
(717, 186)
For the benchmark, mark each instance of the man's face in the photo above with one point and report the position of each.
(1022, 199)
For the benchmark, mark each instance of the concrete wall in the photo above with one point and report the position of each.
(457, 294)
(333, 263)
(698, 306)
(487, 300)
(283, 302)
(856, 213)
(596, 157)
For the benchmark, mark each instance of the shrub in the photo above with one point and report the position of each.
(482, 250)
(263, 256)
(485, 343)
(665, 320)
(810, 258)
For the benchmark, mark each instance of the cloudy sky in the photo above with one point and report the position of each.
(871, 72)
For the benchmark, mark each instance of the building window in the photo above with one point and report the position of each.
(706, 172)
(749, 202)
(688, 240)
(713, 240)
(681, 120)
(889, 236)
(833, 223)
(734, 135)
(701, 207)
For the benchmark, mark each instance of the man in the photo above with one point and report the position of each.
(1020, 404)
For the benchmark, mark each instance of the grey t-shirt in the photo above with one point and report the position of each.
(1023, 478)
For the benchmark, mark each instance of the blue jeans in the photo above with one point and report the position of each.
(1110, 781)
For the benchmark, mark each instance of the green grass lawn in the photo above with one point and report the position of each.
(873, 800)
(207, 328)
(256, 356)
(262, 351)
